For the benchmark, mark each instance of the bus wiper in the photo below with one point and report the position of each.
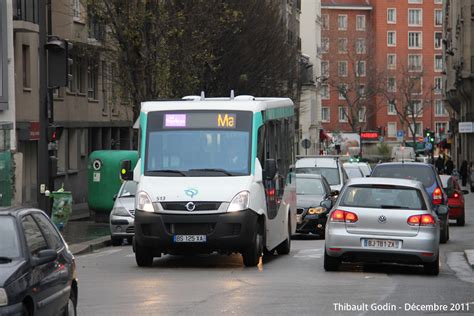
(214, 170)
(169, 171)
(393, 206)
(5, 260)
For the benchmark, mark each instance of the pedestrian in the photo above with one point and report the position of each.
(463, 172)
(440, 164)
(449, 166)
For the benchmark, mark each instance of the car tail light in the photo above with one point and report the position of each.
(343, 216)
(421, 220)
(437, 196)
(455, 195)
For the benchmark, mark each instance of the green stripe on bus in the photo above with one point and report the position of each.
(257, 122)
(143, 122)
(272, 114)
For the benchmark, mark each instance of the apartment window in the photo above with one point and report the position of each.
(438, 17)
(360, 46)
(415, 108)
(324, 45)
(391, 84)
(63, 151)
(415, 1)
(71, 82)
(76, 9)
(84, 138)
(415, 40)
(438, 85)
(362, 114)
(392, 129)
(92, 81)
(72, 148)
(392, 110)
(342, 90)
(391, 38)
(360, 23)
(342, 45)
(325, 68)
(325, 92)
(342, 22)
(414, 62)
(342, 68)
(438, 40)
(391, 15)
(105, 85)
(438, 1)
(362, 91)
(391, 61)
(438, 63)
(342, 114)
(325, 114)
(417, 128)
(325, 21)
(361, 69)
(440, 110)
(26, 66)
(416, 85)
(80, 76)
(441, 128)
(415, 17)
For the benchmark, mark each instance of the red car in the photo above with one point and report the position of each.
(455, 198)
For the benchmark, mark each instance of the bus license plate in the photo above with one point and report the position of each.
(189, 238)
(381, 243)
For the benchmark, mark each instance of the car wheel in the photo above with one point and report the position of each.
(285, 247)
(251, 255)
(143, 256)
(116, 241)
(25, 310)
(71, 307)
(129, 240)
(461, 221)
(432, 268)
(331, 263)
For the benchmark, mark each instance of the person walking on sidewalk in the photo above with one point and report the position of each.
(440, 164)
(463, 172)
(449, 166)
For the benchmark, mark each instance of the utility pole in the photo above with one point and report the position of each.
(43, 155)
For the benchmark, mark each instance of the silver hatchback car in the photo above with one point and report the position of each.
(383, 220)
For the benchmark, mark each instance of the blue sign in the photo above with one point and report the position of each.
(400, 133)
(428, 146)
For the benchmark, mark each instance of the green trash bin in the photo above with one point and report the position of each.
(62, 208)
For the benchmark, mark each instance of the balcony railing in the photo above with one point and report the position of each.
(25, 10)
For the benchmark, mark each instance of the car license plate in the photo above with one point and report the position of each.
(189, 238)
(381, 243)
(299, 218)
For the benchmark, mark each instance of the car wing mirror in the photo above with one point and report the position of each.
(465, 192)
(115, 197)
(326, 204)
(334, 193)
(441, 209)
(45, 256)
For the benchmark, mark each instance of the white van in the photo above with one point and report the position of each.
(328, 166)
(213, 175)
(403, 153)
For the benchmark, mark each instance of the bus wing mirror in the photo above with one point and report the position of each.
(270, 169)
(126, 173)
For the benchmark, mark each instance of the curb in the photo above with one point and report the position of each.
(469, 254)
(89, 246)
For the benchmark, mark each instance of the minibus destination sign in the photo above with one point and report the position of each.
(200, 120)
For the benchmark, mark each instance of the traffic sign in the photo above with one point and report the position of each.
(306, 143)
(400, 133)
(428, 146)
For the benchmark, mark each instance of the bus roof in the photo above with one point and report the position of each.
(241, 103)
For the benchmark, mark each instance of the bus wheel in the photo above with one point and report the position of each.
(252, 254)
(143, 256)
(285, 247)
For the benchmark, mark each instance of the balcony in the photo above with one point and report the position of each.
(25, 16)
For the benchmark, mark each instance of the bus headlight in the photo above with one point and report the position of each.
(240, 202)
(143, 202)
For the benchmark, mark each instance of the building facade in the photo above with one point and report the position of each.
(397, 68)
(458, 32)
(89, 108)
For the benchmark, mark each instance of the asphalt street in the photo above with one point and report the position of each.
(296, 284)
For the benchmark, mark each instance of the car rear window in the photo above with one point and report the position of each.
(378, 196)
(309, 186)
(331, 174)
(414, 172)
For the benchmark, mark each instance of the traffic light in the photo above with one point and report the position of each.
(427, 132)
(54, 133)
(58, 61)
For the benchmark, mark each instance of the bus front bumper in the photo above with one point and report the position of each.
(224, 232)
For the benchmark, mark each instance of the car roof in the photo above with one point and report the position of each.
(330, 162)
(386, 181)
(401, 163)
(309, 175)
(15, 210)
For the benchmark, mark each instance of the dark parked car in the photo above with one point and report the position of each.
(311, 190)
(37, 270)
(428, 176)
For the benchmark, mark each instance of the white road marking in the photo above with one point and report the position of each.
(309, 253)
(458, 263)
